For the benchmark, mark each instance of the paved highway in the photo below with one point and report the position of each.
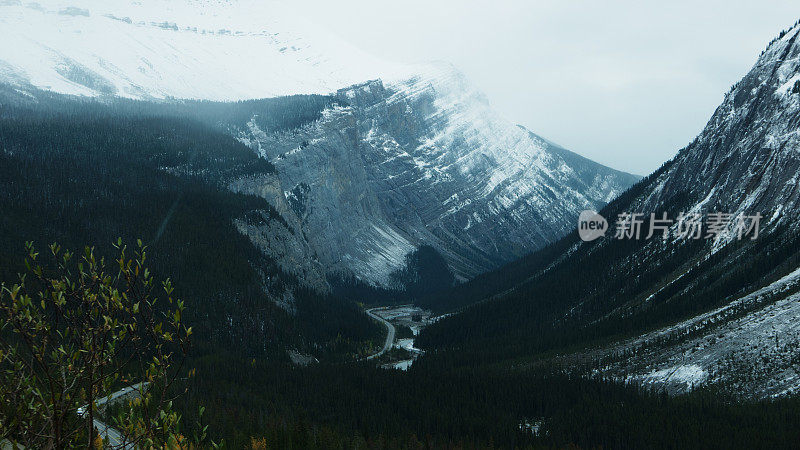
(389, 335)
(112, 437)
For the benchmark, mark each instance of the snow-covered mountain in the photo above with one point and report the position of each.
(406, 155)
(746, 158)
(716, 309)
(427, 161)
(745, 161)
(203, 49)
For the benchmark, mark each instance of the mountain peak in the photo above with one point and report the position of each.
(194, 49)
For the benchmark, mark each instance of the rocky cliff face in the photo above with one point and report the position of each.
(711, 310)
(282, 239)
(418, 158)
(427, 161)
(746, 159)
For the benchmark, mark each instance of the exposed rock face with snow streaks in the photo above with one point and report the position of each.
(426, 160)
(415, 158)
(747, 157)
(745, 161)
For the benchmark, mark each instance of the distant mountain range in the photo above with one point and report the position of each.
(290, 185)
(400, 157)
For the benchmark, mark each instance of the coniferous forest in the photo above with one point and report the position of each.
(86, 173)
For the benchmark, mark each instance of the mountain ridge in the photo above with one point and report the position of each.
(674, 313)
(434, 165)
(185, 49)
(422, 160)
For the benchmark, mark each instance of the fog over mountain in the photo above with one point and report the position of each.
(595, 66)
(416, 158)
(246, 222)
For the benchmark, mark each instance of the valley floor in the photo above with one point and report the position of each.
(398, 351)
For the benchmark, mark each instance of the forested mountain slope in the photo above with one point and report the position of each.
(578, 295)
(80, 172)
(402, 156)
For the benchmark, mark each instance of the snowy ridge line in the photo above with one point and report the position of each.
(435, 166)
(157, 49)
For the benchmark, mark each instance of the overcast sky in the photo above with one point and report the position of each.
(624, 83)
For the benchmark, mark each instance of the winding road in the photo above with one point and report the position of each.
(389, 335)
(112, 437)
